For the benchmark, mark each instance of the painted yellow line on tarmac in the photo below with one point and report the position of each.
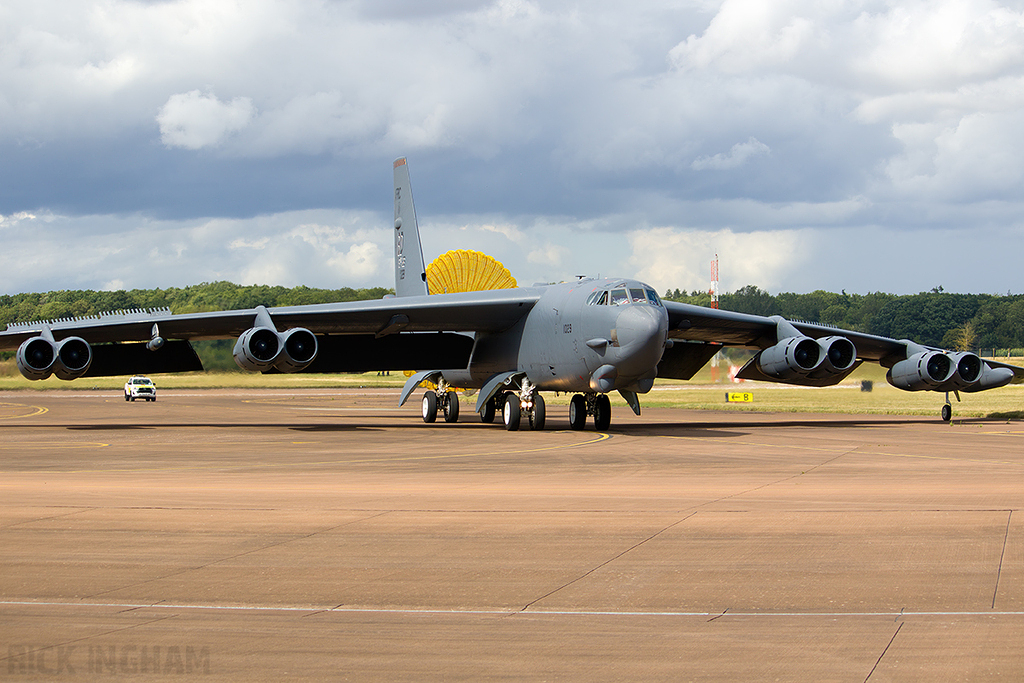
(29, 411)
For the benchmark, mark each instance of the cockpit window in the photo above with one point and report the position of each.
(637, 296)
(652, 297)
(619, 296)
(598, 298)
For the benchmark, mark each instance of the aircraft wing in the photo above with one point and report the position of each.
(698, 323)
(347, 332)
(728, 328)
(487, 311)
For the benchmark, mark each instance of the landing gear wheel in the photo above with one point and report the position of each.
(947, 413)
(429, 407)
(511, 413)
(602, 413)
(577, 412)
(451, 407)
(487, 414)
(537, 415)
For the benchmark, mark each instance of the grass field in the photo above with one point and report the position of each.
(700, 393)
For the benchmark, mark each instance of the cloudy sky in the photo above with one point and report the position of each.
(865, 146)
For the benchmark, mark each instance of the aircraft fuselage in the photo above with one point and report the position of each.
(584, 336)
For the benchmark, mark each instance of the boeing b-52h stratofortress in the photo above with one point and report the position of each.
(586, 338)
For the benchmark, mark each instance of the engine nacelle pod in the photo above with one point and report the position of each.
(791, 358)
(298, 349)
(262, 348)
(36, 358)
(257, 349)
(922, 371)
(839, 354)
(967, 370)
(39, 357)
(74, 356)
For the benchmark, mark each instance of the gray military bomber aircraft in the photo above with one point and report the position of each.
(587, 338)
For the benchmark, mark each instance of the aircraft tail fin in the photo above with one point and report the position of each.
(410, 271)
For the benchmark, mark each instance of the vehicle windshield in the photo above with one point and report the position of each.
(624, 295)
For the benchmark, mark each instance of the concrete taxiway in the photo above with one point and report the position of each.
(230, 535)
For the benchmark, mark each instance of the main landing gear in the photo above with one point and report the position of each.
(444, 400)
(514, 406)
(598, 405)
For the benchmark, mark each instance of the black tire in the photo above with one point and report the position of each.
(487, 414)
(537, 415)
(577, 412)
(429, 407)
(947, 413)
(451, 407)
(126, 397)
(133, 399)
(511, 413)
(602, 413)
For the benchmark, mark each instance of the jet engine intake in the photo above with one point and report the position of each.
(39, 357)
(967, 370)
(839, 355)
(298, 349)
(261, 348)
(923, 371)
(791, 358)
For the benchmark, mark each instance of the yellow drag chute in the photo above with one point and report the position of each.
(464, 270)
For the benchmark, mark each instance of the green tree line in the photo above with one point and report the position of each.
(935, 318)
(208, 296)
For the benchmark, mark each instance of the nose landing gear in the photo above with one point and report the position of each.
(598, 405)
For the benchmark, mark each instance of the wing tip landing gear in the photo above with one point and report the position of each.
(947, 408)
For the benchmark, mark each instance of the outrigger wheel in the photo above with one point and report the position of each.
(947, 409)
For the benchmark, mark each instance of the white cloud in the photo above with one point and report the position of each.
(740, 153)
(674, 258)
(545, 134)
(193, 120)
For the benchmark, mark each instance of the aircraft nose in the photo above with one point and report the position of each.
(641, 334)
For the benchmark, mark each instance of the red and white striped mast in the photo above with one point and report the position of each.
(714, 304)
(714, 283)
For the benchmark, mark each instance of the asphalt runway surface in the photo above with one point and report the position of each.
(236, 535)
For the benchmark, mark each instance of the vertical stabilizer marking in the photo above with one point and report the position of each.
(410, 273)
